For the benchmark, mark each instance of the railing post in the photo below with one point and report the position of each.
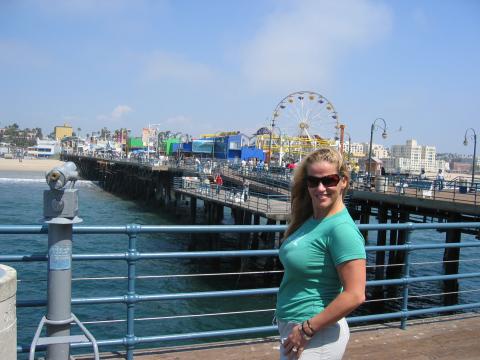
(132, 257)
(406, 276)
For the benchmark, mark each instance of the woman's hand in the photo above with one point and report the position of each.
(294, 344)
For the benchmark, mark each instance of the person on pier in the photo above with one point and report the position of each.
(440, 179)
(323, 255)
(218, 183)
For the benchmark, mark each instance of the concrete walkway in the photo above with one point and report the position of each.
(441, 338)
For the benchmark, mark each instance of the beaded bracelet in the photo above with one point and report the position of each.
(310, 327)
(304, 334)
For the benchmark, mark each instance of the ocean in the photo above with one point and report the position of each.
(21, 202)
(21, 196)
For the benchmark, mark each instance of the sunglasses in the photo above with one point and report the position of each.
(327, 181)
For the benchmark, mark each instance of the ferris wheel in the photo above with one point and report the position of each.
(307, 115)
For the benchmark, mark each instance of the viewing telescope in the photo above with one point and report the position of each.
(58, 177)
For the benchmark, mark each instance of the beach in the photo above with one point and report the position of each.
(28, 165)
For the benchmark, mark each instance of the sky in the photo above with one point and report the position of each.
(206, 66)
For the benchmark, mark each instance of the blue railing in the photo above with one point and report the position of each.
(132, 298)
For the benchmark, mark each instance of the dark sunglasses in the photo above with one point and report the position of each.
(327, 181)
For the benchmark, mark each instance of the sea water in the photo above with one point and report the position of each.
(21, 202)
(21, 196)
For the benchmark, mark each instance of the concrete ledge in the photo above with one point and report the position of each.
(8, 317)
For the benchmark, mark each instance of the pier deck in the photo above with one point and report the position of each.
(271, 208)
(440, 338)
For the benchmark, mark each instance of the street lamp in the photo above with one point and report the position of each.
(465, 142)
(349, 145)
(271, 134)
(384, 135)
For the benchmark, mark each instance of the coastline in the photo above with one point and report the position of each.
(28, 165)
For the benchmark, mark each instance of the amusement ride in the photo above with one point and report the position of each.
(301, 122)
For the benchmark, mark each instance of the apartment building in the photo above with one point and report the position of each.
(356, 149)
(379, 151)
(412, 157)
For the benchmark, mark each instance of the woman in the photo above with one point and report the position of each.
(324, 259)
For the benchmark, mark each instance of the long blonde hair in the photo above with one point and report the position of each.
(301, 201)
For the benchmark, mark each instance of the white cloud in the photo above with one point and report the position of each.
(117, 114)
(120, 111)
(298, 46)
(168, 66)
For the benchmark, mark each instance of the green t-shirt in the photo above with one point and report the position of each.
(310, 256)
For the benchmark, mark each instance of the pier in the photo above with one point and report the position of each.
(394, 282)
(395, 201)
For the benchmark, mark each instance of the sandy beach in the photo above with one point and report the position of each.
(28, 165)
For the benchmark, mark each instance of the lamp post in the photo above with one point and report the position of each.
(127, 136)
(270, 145)
(384, 135)
(465, 142)
(349, 145)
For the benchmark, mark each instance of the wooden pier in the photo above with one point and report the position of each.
(269, 204)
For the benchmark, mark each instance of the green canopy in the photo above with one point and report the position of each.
(135, 143)
(169, 145)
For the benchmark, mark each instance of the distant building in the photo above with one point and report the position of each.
(356, 149)
(461, 167)
(63, 131)
(411, 158)
(44, 148)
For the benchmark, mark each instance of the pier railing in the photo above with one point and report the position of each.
(408, 280)
(456, 190)
(241, 197)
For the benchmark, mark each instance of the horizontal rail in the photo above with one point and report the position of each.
(231, 293)
(262, 329)
(214, 254)
(133, 255)
(203, 229)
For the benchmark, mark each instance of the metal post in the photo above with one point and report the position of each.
(60, 209)
(474, 162)
(349, 146)
(59, 287)
(406, 275)
(270, 145)
(131, 260)
(465, 142)
(384, 135)
(370, 155)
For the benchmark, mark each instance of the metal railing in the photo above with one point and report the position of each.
(131, 298)
(456, 190)
(278, 180)
(244, 198)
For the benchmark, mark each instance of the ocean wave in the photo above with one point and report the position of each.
(80, 183)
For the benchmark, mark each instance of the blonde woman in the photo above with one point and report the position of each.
(323, 255)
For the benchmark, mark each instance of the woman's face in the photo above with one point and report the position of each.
(326, 199)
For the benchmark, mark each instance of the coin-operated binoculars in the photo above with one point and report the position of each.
(60, 210)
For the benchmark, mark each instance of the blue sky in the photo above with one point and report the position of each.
(206, 66)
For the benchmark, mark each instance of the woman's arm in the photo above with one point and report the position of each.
(353, 277)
